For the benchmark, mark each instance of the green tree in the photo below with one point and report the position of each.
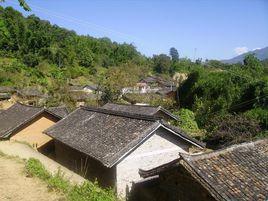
(253, 65)
(114, 80)
(230, 129)
(161, 63)
(22, 3)
(173, 52)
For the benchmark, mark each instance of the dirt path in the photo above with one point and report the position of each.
(15, 186)
(25, 152)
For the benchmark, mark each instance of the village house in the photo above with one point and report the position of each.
(239, 172)
(87, 88)
(26, 123)
(143, 110)
(151, 84)
(9, 90)
(112, 146)
(30, 95)
(91, 88)
(6, 94)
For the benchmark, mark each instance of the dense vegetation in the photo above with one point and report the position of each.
(35, 53)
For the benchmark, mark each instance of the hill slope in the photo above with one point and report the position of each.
(261, 54)
(33, 40)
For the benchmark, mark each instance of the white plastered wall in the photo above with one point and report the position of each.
(162, 147)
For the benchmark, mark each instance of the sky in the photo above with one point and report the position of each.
(208, 29)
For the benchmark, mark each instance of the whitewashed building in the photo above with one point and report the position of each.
(111, 146)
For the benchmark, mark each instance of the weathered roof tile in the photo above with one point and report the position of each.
(105, 135)
(239, 172)
(18, 115)
(139, 109)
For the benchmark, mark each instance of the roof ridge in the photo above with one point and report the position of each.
(134, 105)
(189, 157)
(56, 107)
(123, 114)
(37, 107)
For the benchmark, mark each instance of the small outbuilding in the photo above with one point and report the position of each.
(26, 123)
(111, 146)
(239, 172)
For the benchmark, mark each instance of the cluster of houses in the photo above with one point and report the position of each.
(35, 95)
(153, 85)
(136, 150)
(83, 93)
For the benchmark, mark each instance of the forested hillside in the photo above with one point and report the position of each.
(219, 103)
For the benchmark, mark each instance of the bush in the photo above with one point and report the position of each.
(187, 122)
(35, 168)
(230, 129)
(88, 191)
(57, 182)
(259, 114)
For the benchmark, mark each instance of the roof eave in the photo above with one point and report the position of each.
(194, 142)
(169, 113)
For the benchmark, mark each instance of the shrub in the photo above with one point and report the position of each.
(35, 168)
(57, 182)
(259, 114)
(88, 191)
(187, 122)
(230, 129)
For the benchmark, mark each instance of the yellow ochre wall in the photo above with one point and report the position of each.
(32, 131)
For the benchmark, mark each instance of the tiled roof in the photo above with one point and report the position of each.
(18, 115)
(239, 172)
(5, 96)
(105, 135)
(4, 89)
(31, 92)
(61, 111)
(138, 109)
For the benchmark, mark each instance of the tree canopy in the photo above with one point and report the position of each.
(22, 3)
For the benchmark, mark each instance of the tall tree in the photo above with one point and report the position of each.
(162, 63)
(22, 3)
(173, 52)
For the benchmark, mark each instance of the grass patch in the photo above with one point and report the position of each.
(35, 168)
(88, 191)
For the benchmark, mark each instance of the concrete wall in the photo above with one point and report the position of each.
(32, 131)
(159, 149)
(84, 165)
